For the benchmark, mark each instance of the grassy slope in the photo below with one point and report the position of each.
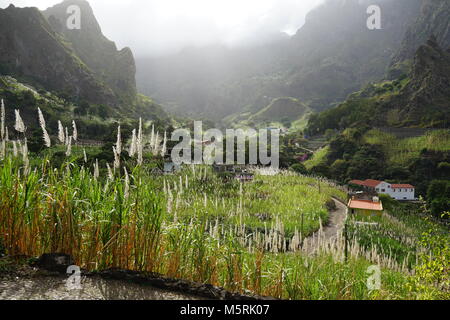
(318, 158)
(403, 151)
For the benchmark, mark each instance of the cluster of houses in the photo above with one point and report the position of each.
(367, 201)
(402, 192)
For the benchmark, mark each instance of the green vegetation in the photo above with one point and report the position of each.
(190, 225)
(404, 151)
(364, 153)
(319, 158)
(110, 208)
(438, 198)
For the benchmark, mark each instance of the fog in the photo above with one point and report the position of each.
(157, 27)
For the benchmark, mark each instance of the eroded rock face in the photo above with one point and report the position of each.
(433, 19)
(427, 95)
(116, 68)
(30, 48)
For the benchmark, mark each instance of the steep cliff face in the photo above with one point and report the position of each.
(434, 19)
(116, 68)
(335, 53)
(30, 48)
(426, 98)
(421, 99)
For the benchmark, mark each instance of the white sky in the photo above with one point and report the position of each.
(161, 26)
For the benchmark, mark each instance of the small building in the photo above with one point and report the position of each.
(402, 192)
(372, 207)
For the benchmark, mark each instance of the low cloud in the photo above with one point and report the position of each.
(155, 27)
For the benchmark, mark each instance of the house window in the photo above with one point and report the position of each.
(378, 189)
(383, 190)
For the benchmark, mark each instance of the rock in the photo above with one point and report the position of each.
(58, 262)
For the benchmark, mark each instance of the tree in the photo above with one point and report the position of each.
(299, 168)
(438, 197)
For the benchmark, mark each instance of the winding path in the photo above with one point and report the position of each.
(331, 231)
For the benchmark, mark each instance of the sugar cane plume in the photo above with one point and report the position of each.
(25, 156)
(2, 149)
(66, 142)
(19, 126)
(133, 146)
(61, 135)
(110, 174)
(127, 184)
(156, 143)
(2, 120)
(116, 158)
(69, 147)
(47, 140)
(6, 134)
(152, 137)
(15, 152)
(140, 143)
(96, 170)
(46, 137)
(41, 119)
(84, 155)
(74, 131)
(119, 142)
(164, 147)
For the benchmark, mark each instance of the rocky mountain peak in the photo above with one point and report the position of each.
(117, 68)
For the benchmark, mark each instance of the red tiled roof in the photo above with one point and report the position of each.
(372, 183)
(400, 186)
(365, 205)
(367, 183)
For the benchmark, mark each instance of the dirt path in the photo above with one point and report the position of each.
(330, 232)
(54, 288)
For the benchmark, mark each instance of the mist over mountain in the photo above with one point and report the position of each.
(331, 56)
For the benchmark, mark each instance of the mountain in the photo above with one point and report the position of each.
(80, 66)
(115, 68)
(214, 81)
(331, 56)
(420, 99)
(433, 19)
(335, 53)
(31, 49)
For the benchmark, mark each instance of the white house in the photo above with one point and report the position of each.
(395, 191)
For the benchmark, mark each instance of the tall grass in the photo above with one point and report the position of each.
(192, 225)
